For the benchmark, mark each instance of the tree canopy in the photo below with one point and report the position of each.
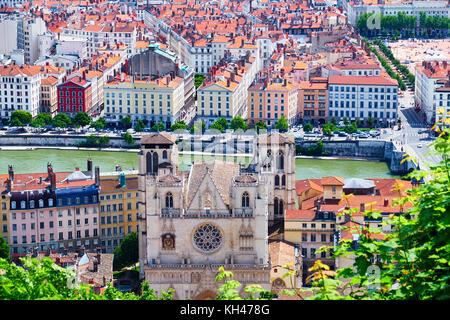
(127, 253)
(238, 123)
(282, 124)
(81, 119)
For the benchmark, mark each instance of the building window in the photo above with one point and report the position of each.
(169, 200)
(245, 200)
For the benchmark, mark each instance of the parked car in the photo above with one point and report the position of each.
(419, 145)
(342, 134)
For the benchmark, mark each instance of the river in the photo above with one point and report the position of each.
(66, 160)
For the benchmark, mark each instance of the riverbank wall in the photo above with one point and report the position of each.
(381, 150)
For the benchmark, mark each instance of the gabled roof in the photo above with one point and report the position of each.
(333, 181)
(157, 138)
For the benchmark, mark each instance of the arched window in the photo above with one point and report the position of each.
(41, 203)
(245, 200)
(155, 162)
(164, 154)
(169, 200)
(31, 203)
(277, 180)
(283, 180)
(280, 161)
(278, 207)
(149, 162)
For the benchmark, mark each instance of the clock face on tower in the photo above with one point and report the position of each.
(207, 238)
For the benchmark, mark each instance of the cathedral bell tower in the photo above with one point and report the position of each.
(275, 157)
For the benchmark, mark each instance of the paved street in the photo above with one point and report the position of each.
(414, 134)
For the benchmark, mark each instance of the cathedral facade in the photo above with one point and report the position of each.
(215, 214)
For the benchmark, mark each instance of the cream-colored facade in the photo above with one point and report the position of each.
(192, 223)
(150, 101)
(49, 96)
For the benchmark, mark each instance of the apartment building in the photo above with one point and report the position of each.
(49, 95)
(150, 101)
(75, 95)
(19, 89)
(96, 35)
(313, 100)
(53, 210)
(362, 97)
(224, 93)
(118, 208)
(267, 102)
(393, 7)
(429, 77)
(28, 32)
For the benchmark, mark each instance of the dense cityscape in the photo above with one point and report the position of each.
(163, 143)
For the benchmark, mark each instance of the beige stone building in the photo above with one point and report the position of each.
(216, 214)
(49, 95)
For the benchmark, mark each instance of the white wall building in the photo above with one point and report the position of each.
(429, 77)
(362, 97)
(20, 89)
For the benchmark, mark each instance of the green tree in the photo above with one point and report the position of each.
(81, 119)
(198, 126)
(238, 123)
(45, 117)
(128, 138)
(45, 280)
(99, 124)
(346, 121)
(125, 122)
(217, 126)
(351, 128)
(16, 123)
(103, 141)
(139, 126)
(198, 80)
(282, 124)
(328, 128)
(61, 120)
(4, 249)
(180, 125)
(308, 127)
(223, 123)
(24, 117)
(37, 123)
(127, 254)
(158, 126)
(260, 125)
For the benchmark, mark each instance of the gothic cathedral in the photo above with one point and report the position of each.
(215, 214)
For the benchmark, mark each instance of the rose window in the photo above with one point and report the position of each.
(207, 238)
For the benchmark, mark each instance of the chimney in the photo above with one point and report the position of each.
(97, 176)
(99, 255)
(122, 180)
(11, 173)
(53, 181)
(89, 165)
